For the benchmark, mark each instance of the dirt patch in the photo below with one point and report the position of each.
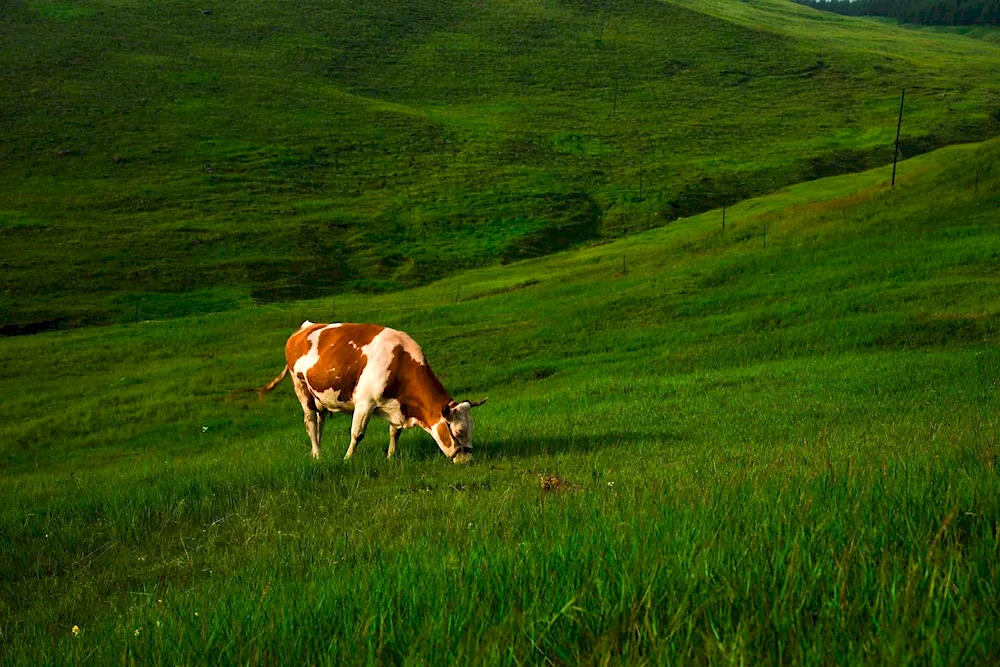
(554, 484)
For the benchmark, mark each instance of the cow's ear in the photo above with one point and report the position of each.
(476, 404)
(446, 412)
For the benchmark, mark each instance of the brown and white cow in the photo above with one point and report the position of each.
(369, 369)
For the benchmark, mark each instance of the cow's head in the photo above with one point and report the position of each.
(458, 417)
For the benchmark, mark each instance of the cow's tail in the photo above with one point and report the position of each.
(269, 387)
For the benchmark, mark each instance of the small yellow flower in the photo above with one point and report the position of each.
(76, 630)
(137, 632)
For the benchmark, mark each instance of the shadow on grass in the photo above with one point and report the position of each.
(527, 445)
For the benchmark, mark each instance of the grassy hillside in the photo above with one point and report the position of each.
(775, 453)
(984, 32)
(158, 159)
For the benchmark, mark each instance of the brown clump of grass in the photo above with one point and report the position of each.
(551, 483)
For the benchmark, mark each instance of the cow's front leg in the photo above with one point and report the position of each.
(394, 432)
(362, 413)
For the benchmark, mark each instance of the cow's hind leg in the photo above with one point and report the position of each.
(394, 432)
(320, 420)
(311, 416)
(362, 413)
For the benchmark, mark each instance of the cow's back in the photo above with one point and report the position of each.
(330, 358)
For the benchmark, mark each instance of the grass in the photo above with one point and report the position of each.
(988, 33)
(780, 454)
(267, 151)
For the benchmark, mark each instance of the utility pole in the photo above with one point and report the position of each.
(899, 124)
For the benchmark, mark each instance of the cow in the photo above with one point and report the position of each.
(369, 369)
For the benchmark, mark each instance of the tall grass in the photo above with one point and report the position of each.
(764, 456)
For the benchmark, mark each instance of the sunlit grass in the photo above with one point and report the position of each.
(780, 454)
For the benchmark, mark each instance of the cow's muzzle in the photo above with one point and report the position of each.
(462, 455)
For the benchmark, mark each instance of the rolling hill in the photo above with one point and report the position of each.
(162, 159)
(773, 442)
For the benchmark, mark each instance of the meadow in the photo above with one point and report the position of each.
(162, 159)
(773, 443)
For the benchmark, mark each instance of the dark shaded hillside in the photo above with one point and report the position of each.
(172, 158)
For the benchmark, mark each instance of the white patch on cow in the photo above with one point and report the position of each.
(380, 352)
(398, 338)
(393, 412)
(432, 430)
(308, 360)
(375, 376)
(330, 399)
(305, 324)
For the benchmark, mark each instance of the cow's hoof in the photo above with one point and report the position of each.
(464, 457)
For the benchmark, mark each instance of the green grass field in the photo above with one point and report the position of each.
(780, 454)
(157, 160)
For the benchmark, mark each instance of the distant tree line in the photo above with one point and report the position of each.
(929, 12)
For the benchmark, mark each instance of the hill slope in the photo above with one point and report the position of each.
(771, 450)
(161, 159)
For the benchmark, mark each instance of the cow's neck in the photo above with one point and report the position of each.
(430, 398)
